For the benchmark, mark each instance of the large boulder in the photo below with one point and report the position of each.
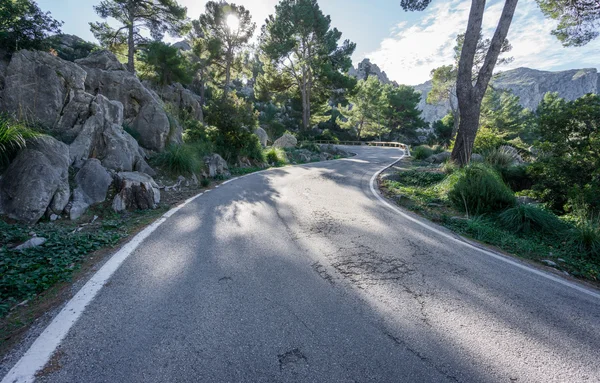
(100, 134)
(439, 158)
(37, 181)
(135, 191)
(93, 182)
(143, 110)
(184, 100)
(38, 85)
(286, 141)
(263, 137)
(216, 165)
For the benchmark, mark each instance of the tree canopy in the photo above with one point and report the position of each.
(302, 52)
(226, 30)
(23, 25)
(578, 20)
(155, 16)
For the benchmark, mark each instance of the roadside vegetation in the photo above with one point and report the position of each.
(530, 189)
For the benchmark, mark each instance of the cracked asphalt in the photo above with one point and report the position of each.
(300, 274)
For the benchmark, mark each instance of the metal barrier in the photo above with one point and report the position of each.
(360, 143)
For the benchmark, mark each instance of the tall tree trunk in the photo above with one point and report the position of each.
(131, 49)
(227, 74)
(467, 131)
(305, 102)
(469, 95)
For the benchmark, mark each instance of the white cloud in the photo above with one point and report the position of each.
(414, 49)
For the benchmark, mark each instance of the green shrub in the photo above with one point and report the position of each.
(276, 157)
(179, 159)
(586, 236)
(421, 152)
(487, 140)
(419, 178)
(517, 177)
(253, 149)
(234, 119)
(205, 182)
(525, 218)
(478, 189)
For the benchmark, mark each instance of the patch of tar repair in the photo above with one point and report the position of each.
(292, 358)
(364, 266)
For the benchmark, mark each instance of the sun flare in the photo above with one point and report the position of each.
(233, 23)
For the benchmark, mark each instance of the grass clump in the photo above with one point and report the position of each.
(13, 137)
(501, 157)
(524, 218)
(276, 157)
(478, 189)
(586, 236)
(179, 159)
(422, 152)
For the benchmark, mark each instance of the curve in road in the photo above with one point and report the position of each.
(299, 274)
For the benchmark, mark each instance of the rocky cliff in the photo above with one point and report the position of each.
(366, 68)
(529, 84)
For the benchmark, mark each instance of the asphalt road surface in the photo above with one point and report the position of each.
(301, 274)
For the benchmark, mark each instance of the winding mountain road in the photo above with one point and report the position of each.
(301, 274)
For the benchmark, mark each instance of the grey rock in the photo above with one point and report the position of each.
(325, 156)
(102, 136)
(182, 45)
(476, 157)
(135, 191)
(549, 262)
(143, 111)
(216, 165)
(439, 158)
(38, 85)
(36, 182)
(526, 200)
(366, 68)
(31, 243)
(93, 182)
(286, 141)
(103, 60)
(263, 137)
(184, 100)
(53, 217)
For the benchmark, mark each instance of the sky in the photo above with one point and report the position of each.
(406, 45)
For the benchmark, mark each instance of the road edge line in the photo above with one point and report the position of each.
(42, 349)
(465, 243)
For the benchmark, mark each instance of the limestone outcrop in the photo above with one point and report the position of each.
(93, 182)
(216, 165)
(135, 191)
(37, 181)
(286, 141)
(263, 137)
(143, 112)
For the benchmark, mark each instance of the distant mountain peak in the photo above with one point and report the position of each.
(366, 68)
(529, 84)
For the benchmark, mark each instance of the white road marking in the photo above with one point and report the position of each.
(470, 246)
(44, 346)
